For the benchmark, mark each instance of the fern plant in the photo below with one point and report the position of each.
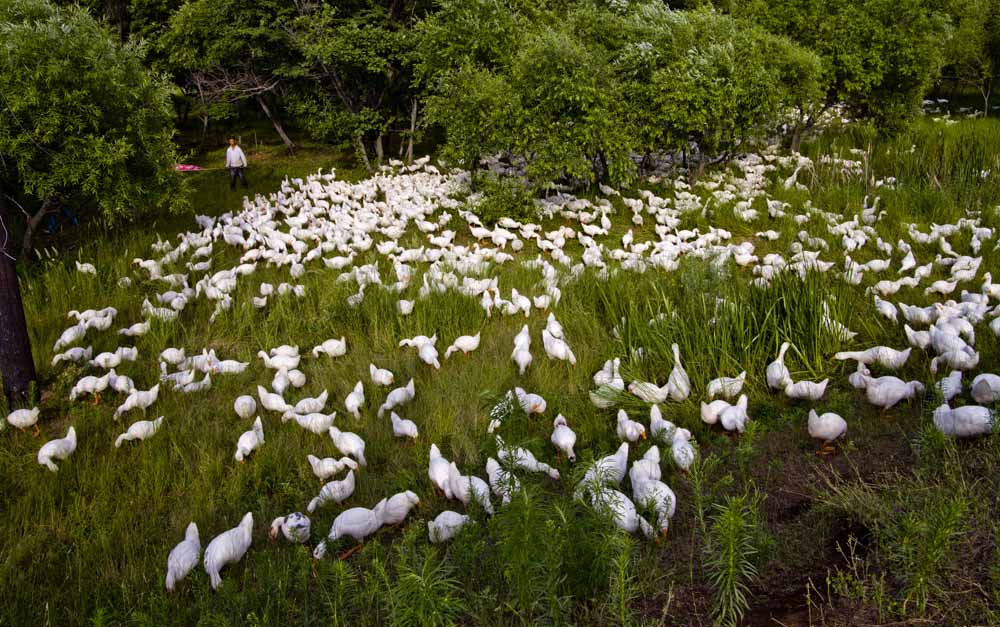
(730, 557)
(621, 586)
(425, 593)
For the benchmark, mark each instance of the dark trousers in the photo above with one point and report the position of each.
(236, 172)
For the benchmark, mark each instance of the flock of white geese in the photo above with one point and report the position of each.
(323, 221)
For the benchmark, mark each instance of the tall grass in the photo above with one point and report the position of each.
(731, 556)
(89, 543)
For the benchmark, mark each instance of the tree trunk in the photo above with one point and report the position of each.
(50, 205)
(364, 153)
(17, 368)
(413, 131)
(379, 150)
(277, 124)
(797, 138)
(117, 13)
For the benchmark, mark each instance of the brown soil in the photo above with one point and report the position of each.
(807, 546)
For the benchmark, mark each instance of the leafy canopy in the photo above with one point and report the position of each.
(81, 119)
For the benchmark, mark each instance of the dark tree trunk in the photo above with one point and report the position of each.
(17, 368)
(50, 205)
(413, 131)
(117, 14)
(360, 142)
(379, 150)
(277, 124)
(797, 138)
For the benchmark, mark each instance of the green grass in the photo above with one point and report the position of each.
(89, 544)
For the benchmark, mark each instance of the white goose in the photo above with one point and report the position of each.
(316, 422)
(658, 496)
(682, 450)
(563, 438)
(402, 428)
(335, 491)
(331, 348)
(446, 526)
(288, 362)
(250, 440)
(139, 399)
(660, 429)
(530, 403)
(355, 400)
(734, 417)
(950, 386)
(678, 383)
(629, 430)
(826, 428)
(807, 390)
(295, 527)
(24, 418)
(245, 406)
(886, 391)
(882, 355)
(271, 401)
(777, 373)
(710, 411)
(469, 488)
(397, 397)
(327, 467)
(503, 483)
(465, 343)
(183, 557)
(228, 547)
(964, 422)
(650, 392)
(381, 376)
(349, 444)
(357, 523)
(622, 511)
(57, 449)
(312, 405)
(727, 387)
(607, 470)
(438, 469)
(141, 430)
(398, 506)
(646, 468)
(986, 388)
(523, 458)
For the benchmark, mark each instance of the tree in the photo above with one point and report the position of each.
(82, 124)
(583, 93)
(357, 59)
(233, 51)
(17, 368)
(879, 56)
(973, 51)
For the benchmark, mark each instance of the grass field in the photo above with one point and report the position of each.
(898, 526)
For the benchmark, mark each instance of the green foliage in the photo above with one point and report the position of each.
(425, 592)
(579, 91)
(924, 541)
(730, 556)
(82, 121)
(622, 587)
(973, 52)
(879, 56)
(504, 197)
(477, 108)
(356, 59)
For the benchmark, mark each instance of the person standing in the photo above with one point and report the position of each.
(235, 161)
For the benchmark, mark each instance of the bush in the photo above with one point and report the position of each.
(504, 196)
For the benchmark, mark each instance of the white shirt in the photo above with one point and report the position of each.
(235, 157)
